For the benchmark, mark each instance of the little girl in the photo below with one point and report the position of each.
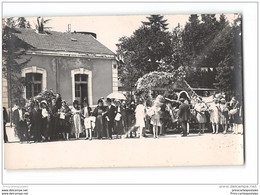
(87, 120)
(76, 116)
(45, 121)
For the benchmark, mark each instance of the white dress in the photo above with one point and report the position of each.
(140, 116)
(200, 108)
(214, 113)
(89, 121)
(155, 119)
(77, 121)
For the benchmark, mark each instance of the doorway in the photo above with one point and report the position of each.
(81, 87)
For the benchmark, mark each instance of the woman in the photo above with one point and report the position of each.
(99, 112)
(58, 101)
(119, 129)
(140, 114)
(5, 119)
(200, 109)
(223, 114)
(124, 116)
(234, 112)
(45, 120)
(87, 120)
(36, 122)
(54, 120)
(148, 125)
(130, 119)
(214, 115)
(64, 115)
(76, 117)
(155, 120)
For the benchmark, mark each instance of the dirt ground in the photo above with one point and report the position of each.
(169, 150)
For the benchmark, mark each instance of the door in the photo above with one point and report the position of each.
(81, 87)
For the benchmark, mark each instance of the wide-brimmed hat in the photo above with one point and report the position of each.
(44, 102)
(109, 100)
(182, 99)
(223, 100)
(100, 101)
(75, 102)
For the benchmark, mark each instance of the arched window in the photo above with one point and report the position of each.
(33, 84)
(82, 85)
(35, 81)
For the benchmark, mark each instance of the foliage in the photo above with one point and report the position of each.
(156, 22)
(13, 62)
(144, 51)
(175, 60)
(23, 23)
(156, 79)
(41, 25)
(207, 47)
(229, 71)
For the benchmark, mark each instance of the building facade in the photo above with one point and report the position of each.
(73, 64)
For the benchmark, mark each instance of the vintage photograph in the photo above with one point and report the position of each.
(122, 91)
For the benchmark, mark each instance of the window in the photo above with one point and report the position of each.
(81, 87)
(33, 84)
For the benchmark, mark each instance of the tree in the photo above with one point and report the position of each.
(21, 22)
(224, 75)
(229, 74)
(41, 25)
(175, 60)
(28, 25)
(13, 51)
(143, 52)
(156, 22)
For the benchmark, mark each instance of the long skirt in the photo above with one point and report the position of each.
(77, 127)
(223, 119)
(201, 118)
(45, 127)
(64, 126)
(99, 126)
(119, 128)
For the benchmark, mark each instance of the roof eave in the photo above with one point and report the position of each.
(70, 54)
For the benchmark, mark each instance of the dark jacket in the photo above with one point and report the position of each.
(111, 112)
(184, 112)
(16, 116)
(95, 112)
(36, 118)
(5, 115)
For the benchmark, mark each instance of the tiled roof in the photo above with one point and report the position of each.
(63, 41)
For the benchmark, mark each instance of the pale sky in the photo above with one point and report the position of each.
(110, 28)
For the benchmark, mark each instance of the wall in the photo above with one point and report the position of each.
(59, 74)
(4, 93)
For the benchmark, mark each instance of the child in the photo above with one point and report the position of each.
(87, 121)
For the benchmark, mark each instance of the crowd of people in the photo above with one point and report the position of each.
(219, 113)
(40, 121)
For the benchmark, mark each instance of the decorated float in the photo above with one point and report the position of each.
(170, 87)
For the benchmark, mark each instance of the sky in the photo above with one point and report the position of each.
(110, 28)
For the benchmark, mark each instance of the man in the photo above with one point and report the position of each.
(110, 117)
(20, 123)
(5, 119)
(184, 116)
(36, 122)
